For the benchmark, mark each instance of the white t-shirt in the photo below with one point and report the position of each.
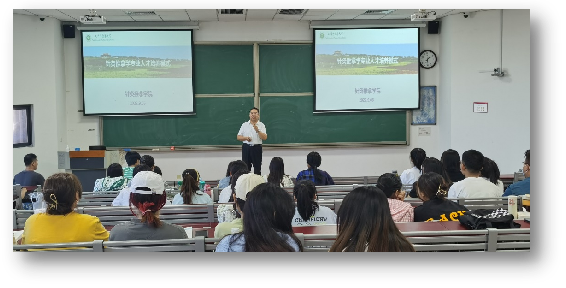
(322, 216)
(199, 198)
(224, 196)
(123, 198)
(247, 130)
(409, 176)
(499, 185)
(474, 187)
(287, 182)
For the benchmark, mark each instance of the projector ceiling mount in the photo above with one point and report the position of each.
(92, 18)
(423, 15)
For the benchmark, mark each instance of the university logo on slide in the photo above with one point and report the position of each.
(321, 35)
(87, 37)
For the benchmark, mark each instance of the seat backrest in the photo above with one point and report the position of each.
(510, 240)
(94, 246)
(195, 244)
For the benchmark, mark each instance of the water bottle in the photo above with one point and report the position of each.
(67, 149)
(201, 185)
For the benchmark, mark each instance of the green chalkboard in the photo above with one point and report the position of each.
(216, 123)
(224, 69)
(289, 119)
(286, 68)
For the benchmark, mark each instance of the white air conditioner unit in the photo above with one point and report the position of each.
(92, 19)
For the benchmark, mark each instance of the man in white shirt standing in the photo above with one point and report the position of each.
(252, 133)
(473, 186)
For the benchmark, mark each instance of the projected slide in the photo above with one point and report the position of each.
(137, 72)
(366, 69)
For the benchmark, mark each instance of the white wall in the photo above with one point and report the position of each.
(456, 76)
(39, 80)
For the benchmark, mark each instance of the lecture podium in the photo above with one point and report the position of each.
(91, 165)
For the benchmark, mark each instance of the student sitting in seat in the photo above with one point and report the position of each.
(133, 160)
(60, 223)
(451, 161)
(244, 184)
(319, 177)
(473, 186)
(148, 160)
(114, 180)
(190, 193)
(238, 168)
(277, 174)
(490, 172)
(431, 189)
(365, 224)
(409, 176)
(146, 200)
(391, 185)
(522, 187)
(267, 223)
(308, 212)
(431, 164)
(123, 198)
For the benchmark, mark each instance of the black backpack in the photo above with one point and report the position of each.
(488, 218)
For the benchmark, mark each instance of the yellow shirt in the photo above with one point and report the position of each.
(225, 228)
(74, 227)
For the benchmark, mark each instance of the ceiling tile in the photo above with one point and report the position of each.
(118, 18)
(202, 14)
(147, 18)
(280, 17)
(231, 17)
(173, 15)
(315, 17)
(369, 17)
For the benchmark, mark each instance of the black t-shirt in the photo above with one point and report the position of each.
(436, 209)
(28, 178)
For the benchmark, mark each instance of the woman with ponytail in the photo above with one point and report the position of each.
(432, 189)
(409, 176)
(190, 193)
(277, 174)
(307, 211)
(146, 200)
(319, 177)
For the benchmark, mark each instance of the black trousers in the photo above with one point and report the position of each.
(252, 155)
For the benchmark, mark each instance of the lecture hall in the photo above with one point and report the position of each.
(235, 140)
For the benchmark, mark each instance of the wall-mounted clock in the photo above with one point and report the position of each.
(427, 59)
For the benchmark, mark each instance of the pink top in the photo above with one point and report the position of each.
(401, 211)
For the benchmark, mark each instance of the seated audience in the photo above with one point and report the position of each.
(29, 177)
(190, 193)
(267, 223)
(431, 164)
(432, 190)
(114, 180)
(409, 176)
(157, 170)
(308, 212)
(473, 186)
(225, 182)
(522, 187)
(146, 200)
(451, 161)
(60, 223)
(391, 186)
(365, 224)
(277, 174)
(238, 168)
(244, 185)
(319, 177)
(490, 172)
(133, 160)
(123, 198)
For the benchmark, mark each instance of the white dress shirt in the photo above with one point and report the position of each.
(247, 130)
(410, 175)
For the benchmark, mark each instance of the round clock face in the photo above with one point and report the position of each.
(427, 59)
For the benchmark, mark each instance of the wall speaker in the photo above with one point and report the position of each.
(69, 31)
(433, 27)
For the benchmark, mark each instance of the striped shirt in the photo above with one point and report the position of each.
(128, 172)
